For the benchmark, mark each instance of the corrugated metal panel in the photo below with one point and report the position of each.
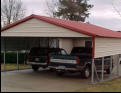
(38, 28)
(80, 27)
(107, 46)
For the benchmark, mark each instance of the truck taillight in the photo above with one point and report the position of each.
(78, 60)
(48, 59)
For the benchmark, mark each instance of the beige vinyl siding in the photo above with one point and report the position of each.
(107, 46)
(38, 28)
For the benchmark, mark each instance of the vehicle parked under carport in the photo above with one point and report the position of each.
(39, 57)
(79, 60)
(69, 34)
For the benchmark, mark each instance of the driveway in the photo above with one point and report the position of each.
(41, 81)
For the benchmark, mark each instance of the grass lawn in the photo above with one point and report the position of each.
(14, 67)
(111, 86)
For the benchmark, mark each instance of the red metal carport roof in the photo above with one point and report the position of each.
(88, 29)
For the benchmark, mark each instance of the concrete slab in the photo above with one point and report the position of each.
(42, 81)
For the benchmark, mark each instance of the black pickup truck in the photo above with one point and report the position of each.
(40, 57)
(79, 60)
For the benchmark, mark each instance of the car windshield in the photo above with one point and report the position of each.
(63, 52)
(38, 52)
(81, 50)
(53, 52)
(46, 51)
(57, 52)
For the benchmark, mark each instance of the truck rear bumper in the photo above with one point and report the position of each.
(74, 68)
(65, 66)
(35, 63)
(64, 69)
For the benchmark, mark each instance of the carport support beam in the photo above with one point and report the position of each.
(111, 65)
(102, 68)
(17, 61)
(4, 61)
(118, 63)
(4, 68)
(92, 78)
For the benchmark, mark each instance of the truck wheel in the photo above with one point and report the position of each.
(85, 73)
(35, 68)
(59, 73)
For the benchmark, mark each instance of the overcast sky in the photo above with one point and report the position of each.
(102, 14)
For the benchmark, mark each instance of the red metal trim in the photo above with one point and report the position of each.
(93, 47)
(51, 20)
(47, 19)
(16, 23)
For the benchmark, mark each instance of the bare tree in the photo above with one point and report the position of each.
(12, 10)
(52, 7)
(118, 11)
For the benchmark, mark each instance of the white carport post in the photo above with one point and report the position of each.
(4, 67)
(102, 68)
(17, 61)
(111, 65)
(93, 60)
(92, 77)
(118, 63)
(4, 60)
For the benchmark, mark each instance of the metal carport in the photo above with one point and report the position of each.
(105, 42)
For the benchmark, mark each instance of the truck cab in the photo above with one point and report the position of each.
(40, 57)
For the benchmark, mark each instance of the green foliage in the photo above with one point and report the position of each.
(75, 10)
(11, 57)
(110, 86)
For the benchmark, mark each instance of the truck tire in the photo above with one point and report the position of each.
(35, 68)
(85, 73)
(59, 73)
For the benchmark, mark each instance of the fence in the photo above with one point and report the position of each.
(102, 75)
(13, 60)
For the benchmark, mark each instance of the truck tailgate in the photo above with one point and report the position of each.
(38, 59)
(63, 59)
